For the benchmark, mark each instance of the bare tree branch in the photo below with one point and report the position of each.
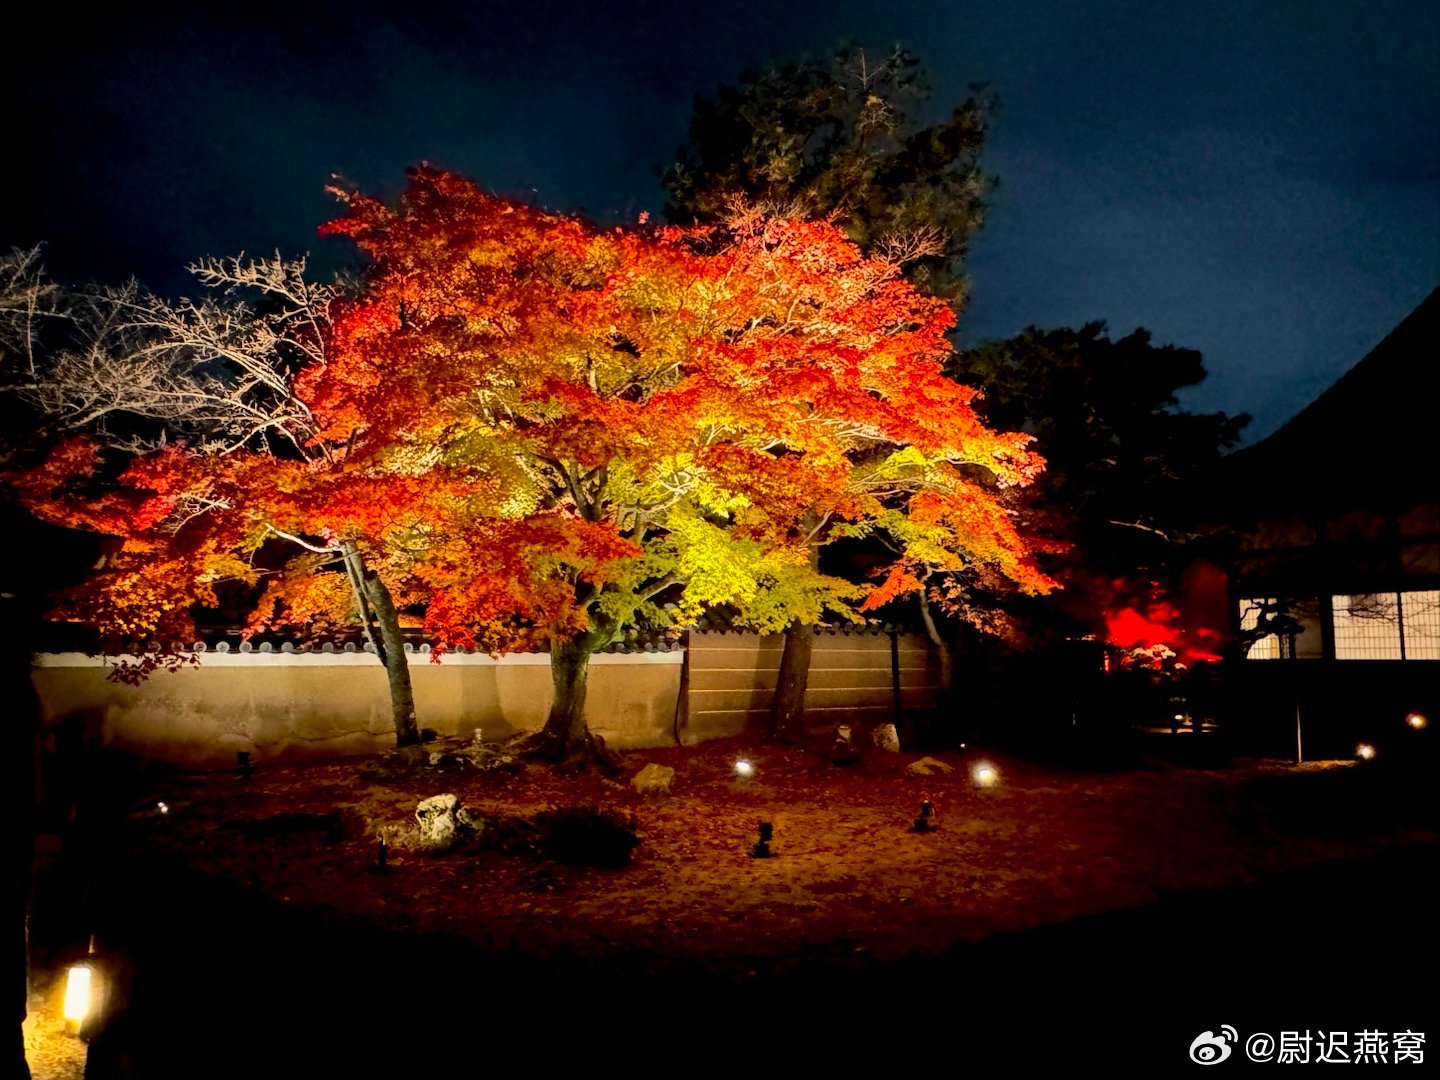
(137, 369)
(27, 299)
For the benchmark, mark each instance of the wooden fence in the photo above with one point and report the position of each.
(853, 678)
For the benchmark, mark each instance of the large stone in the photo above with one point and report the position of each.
(436, 822)
(886, 737)
(653, 779)
(929, 766)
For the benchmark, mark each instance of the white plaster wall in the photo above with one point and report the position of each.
(283, 706)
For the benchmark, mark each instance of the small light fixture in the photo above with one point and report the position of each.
(926, 821)
(744, 769)
(761, 850)
(1365, 752)
(83, 989)
(984, 774)
(1417, 721)
(162, 807)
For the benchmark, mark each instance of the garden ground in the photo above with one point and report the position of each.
(1053, 901)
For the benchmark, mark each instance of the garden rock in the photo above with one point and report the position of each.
(886, 738)
(653, 779)
(437, 822)
(468, 819)
(929, 766)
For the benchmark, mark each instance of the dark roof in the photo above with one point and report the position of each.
(1371, 439)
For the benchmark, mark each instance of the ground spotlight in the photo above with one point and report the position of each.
(744, 769)
(984, 774)
(1417, 721)
(1365, 752)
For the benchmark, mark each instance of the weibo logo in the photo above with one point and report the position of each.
(1211, 1049)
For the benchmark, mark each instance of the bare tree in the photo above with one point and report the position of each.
(28, 300)
(135, 370)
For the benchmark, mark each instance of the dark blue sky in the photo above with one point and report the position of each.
(1255, 180)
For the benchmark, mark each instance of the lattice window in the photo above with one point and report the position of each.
(1420, 616)
(1388, 626)
(1367, 626)
(1268, 647)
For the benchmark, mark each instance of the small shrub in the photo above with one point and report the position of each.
(586, 836)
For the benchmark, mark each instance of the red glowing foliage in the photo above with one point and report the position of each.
(1186, 627)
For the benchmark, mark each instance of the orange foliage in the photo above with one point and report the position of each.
(536, 428)
(744, 376)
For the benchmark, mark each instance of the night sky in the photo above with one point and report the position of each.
(1255, 180)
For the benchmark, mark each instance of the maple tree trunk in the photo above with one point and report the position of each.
(570, 674)
(946, 704)
(787, 712)
(942, 647)
(397, 666)
(382, 627)
(566, 737)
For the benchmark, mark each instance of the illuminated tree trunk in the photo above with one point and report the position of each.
(787, 711)
(942, 648)
(566, 737)
(382, 628)
(955, 723)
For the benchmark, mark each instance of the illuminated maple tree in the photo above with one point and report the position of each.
(543, 433)
(647, 422)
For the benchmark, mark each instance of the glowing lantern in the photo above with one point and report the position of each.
(1365, 752)
(78, 992)
(84, 987)
(1417, 721)
(984, 774)
(744, 769)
